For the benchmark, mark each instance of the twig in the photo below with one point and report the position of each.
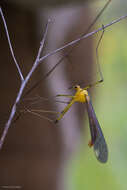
(68, 52)
(23, 85)
(67, 45)
(10, 46)
(37, 62)
(97, 17)
(81, 38)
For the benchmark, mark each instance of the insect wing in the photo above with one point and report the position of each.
(97, 138)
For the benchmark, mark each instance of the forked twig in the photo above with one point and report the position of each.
(68, 52)
(82, 38)
(10, 46)
(37, 62)
(24, 81)
(71, 44)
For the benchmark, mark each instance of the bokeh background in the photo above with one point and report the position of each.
(109, 101)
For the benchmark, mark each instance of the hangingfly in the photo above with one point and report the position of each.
(97, 138)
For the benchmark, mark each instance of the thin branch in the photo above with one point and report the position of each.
(10, 46)
(81, 38)
(97, 17)
(23, 85)
(67, 45)
(35, 65)
(68, 52)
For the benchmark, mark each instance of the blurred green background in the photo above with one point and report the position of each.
(110, 103)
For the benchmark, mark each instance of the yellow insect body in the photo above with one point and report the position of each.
(80, 96)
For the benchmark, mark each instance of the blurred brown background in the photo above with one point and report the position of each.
(35, 152)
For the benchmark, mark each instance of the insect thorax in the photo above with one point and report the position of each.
(80, 95)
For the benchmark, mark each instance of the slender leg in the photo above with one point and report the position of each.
(65, 110)
(64, 95)
(97, 60)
